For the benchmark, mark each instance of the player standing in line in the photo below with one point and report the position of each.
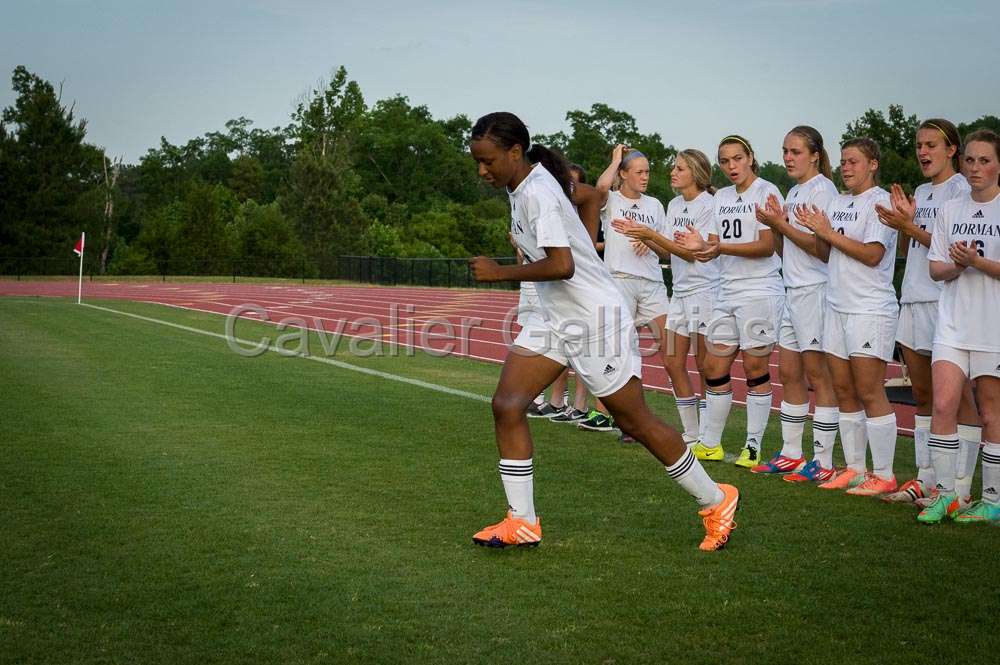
(696, 284)
(586, 327)
(635, 269)
(860, 323)
(800, 340)
(749, 307)
(938, 145)
(965, 255)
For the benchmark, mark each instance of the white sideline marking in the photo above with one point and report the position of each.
(328, 361)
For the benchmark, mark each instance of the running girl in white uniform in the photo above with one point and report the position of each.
(800, 339)
(695, 284)
(860, 326)
(586, 327)
(965, 255)
(937, 144)
(749, 307)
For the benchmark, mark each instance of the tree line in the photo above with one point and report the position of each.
(341, 178)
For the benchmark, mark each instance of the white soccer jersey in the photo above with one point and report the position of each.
(855, 288)
(618, 252)
(799, 268)
(736, 223)
(588, 304)
(969, 308)
(917, 283)
(692, 277)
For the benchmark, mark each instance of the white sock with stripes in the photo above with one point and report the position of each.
(944, 457)
(690, 475)
(991, 472)
(825, 422)
(882, 439)
(921, 433)
(969, 439)
(716, 414)
(518, 482)
(854, 439)
(758, 412)
(702, 410)
(793, 424)
(687, 408)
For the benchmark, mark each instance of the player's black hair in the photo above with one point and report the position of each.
(578, 170)
(506, 130)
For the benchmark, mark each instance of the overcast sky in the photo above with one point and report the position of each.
(693, 72)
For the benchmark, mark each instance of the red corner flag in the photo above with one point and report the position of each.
(78, 250)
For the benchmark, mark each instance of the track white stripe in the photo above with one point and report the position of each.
(327, 361)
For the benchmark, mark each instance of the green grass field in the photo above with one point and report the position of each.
(165, 500)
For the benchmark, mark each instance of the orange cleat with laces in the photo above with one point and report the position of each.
(718, 519)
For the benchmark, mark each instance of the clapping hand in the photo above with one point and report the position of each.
(902, 211)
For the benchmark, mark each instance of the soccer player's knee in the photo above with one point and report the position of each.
(760, 381)
(921, 395)
(508, 405)
(717, 381)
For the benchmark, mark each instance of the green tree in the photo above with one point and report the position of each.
(896, 137)
(265, 242)
(594, 133)
(47, 169)
(321, 196)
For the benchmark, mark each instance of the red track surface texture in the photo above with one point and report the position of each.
(396, 315)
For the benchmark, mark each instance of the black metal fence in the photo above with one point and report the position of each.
(368, 269)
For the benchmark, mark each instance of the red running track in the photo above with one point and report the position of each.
(418, 317)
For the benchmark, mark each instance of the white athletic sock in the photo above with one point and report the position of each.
(825, 422)
(540, 399)
(944, 457)
(921, 433)
(687, 408)
(518, 482)
(690, 475)
(702, 410)
(854, 439)
(991, 472)
(716, 413)
(969, 438)
(758, 411)
(793, 424)
(882, 439)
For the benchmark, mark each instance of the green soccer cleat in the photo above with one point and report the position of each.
(749, 457)
(936, 510)
(979, 512)
(710, 453)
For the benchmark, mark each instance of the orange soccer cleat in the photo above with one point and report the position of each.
(512, 531)
(843, 480)
(718, 519)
